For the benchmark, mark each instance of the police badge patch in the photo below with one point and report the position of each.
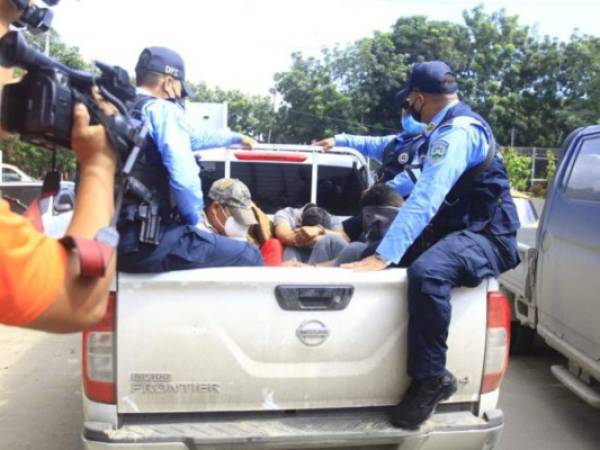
(438, 150)
(403, 158)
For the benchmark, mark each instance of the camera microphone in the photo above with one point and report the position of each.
(37, 20)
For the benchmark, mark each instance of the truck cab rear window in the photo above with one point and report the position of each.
(275, 185)
(278, 185)
(339, 189)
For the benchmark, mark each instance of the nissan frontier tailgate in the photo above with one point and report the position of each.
(264, 339)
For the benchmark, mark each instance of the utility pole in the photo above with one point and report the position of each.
(533, 159)
(512, 137)
(47, 44)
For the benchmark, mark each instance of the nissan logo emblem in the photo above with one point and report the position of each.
(312, 333)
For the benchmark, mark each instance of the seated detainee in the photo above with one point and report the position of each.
(229, 210)
(379, 206)
(310, 234)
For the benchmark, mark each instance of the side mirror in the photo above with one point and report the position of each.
(63, 203)
(63, 207)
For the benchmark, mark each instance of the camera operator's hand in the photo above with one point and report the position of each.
(98, 161)
(8, 13)
(90, 142)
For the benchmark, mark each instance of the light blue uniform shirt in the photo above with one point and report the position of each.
(175, 139)
(453, 149)
(373, 147)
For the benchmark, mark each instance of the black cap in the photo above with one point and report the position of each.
(312, 215)
(163, 60)
(431, 77)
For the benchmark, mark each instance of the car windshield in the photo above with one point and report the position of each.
(9, 175)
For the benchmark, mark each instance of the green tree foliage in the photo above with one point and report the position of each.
(313, 104)
(535, 89)
(518, 167)
(551, 168)
(66, 54)
(35, 161)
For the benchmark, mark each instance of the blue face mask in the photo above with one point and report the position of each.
(411, 125)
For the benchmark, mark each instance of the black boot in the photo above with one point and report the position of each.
(420, 399)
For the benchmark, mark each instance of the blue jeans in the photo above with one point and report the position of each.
(459, 259)
(182, 247)
(326, 249)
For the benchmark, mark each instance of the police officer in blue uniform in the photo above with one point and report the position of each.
(397, 153)
(163, 203)
(457, 228)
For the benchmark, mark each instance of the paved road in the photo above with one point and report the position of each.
(540, 413)
(40, 404)
(40, 394)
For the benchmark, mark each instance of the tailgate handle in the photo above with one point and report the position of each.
(313, 298)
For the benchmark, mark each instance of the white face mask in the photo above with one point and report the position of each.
(236, 230)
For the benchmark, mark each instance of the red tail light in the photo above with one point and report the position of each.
(269, 156)
(97, 360)
(497, 341)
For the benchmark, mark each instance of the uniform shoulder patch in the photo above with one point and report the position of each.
(438, 150)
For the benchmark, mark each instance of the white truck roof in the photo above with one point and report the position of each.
(282, 154)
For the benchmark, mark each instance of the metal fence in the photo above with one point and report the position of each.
(539, 160)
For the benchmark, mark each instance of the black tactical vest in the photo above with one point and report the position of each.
(398, 156)
(480, 201)
(150, 171)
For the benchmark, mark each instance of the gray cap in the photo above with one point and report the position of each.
(235, 195)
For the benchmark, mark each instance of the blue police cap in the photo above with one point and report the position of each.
(163, 60)
(431, 77)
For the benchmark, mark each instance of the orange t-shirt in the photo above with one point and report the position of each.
(32, 269)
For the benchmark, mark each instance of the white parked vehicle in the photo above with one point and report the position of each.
(257, 358)
(21, 189)
(13, 174)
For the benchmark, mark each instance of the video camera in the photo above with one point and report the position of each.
(40, 107)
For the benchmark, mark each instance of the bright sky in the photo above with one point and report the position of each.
(241, 44)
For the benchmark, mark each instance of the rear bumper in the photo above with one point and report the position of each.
(332, 429)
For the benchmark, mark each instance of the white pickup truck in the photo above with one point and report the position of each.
(555, 288)
(264, 358)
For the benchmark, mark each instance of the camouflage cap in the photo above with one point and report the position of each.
(235, 195)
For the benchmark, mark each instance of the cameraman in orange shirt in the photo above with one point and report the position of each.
(40, 286)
